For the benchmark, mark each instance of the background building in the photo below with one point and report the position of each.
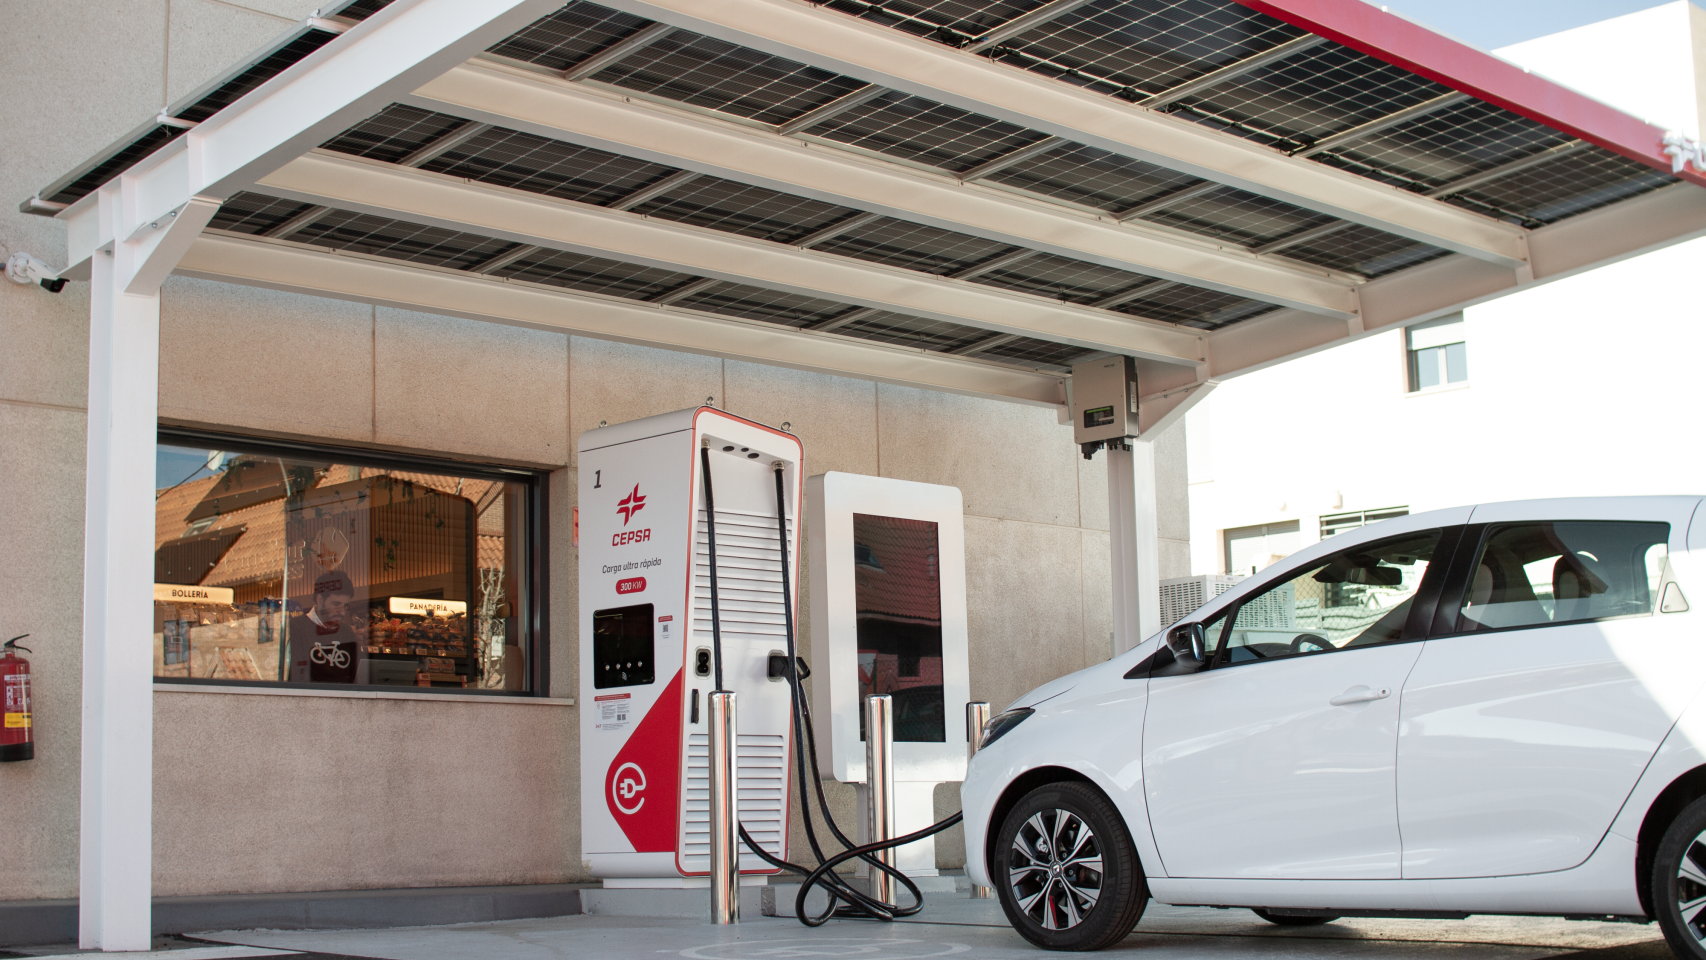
(1573, 388)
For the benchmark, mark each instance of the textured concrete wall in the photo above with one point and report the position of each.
(278, 793)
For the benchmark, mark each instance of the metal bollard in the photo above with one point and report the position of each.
(879, 785)
(977, 717)
(725, 840)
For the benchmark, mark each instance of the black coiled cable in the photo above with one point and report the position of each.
(859, 905)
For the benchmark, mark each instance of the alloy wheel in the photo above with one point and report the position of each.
(1055, 869)
(1691, 888)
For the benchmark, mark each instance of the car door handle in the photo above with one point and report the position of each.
(1360, 694)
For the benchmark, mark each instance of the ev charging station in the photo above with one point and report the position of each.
(659, 636)
(888, 592)
(647, 653)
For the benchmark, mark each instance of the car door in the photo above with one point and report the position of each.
(1276, 761)
(1547, 686)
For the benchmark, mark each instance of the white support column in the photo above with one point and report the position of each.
(1135, 542)
(116, 863)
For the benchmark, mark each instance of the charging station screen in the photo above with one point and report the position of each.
(622, 650)
(897, 574)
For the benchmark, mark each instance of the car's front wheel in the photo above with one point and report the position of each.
(1679, 882)
(1066, 871)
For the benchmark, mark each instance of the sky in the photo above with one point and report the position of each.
(1489, 24)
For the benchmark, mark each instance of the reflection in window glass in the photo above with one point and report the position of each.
(1534, 574)
(1355, 598)
(896, 575)
(311, 570)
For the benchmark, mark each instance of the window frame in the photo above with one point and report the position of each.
(1412, 372)
(535, 609)
(1423, 605)
(1469, 547)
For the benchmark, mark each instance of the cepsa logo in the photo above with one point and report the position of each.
(629, 505)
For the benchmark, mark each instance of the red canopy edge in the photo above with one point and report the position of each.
(1389, 37)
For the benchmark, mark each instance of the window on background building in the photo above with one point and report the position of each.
(297, 565)
(1340, 522)
(1249, 549)
(1438, 353)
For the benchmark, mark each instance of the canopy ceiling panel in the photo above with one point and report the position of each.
(1209, 185)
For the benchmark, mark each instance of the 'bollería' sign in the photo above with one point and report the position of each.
(188, 593)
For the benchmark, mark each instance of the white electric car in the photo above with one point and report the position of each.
(1494, 709)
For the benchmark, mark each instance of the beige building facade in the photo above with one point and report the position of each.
(275, 790)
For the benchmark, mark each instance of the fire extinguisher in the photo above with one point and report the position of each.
(16, 742)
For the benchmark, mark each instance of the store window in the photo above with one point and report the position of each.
(1438, 353)
(297, 565)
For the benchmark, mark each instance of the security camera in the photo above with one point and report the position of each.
(23, 268)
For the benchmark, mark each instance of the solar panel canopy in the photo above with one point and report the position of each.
(969, 196)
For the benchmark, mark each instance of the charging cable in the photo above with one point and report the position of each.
(857, 904)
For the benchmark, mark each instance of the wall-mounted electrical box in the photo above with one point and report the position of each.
(1104, 400)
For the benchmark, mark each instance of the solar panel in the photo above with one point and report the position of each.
(1194, 307)
(254, 214)
(1434, 150)
(524, 161)
(113, 164)
(393, 133)
(399, 240)
(1060, 278)
(1309, 96)
(1075, 173)
(913, 246)
(1142, 47)
(362, 9)
(121, 156)
(1045, 352)
(924, 131)
(949, 21)
(1365, 250)
(510, 158)
(757, 303)
(745, 210)
(569, 35)
(1569, 185)
(1238, 217)
(904, 330)
(704, 72)
(576, 271)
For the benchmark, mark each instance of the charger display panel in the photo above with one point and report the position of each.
(897, 582)
(623, 652)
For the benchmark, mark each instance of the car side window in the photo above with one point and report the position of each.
(1358, 597)
(1541, 574)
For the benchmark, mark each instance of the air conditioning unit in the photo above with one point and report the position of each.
(1181, 596)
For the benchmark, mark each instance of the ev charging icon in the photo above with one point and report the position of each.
(626, 787)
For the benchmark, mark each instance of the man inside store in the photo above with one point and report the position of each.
(323, 648)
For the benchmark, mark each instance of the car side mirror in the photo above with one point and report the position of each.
(1189, 643)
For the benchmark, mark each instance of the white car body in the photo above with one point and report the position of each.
(1510, 771)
